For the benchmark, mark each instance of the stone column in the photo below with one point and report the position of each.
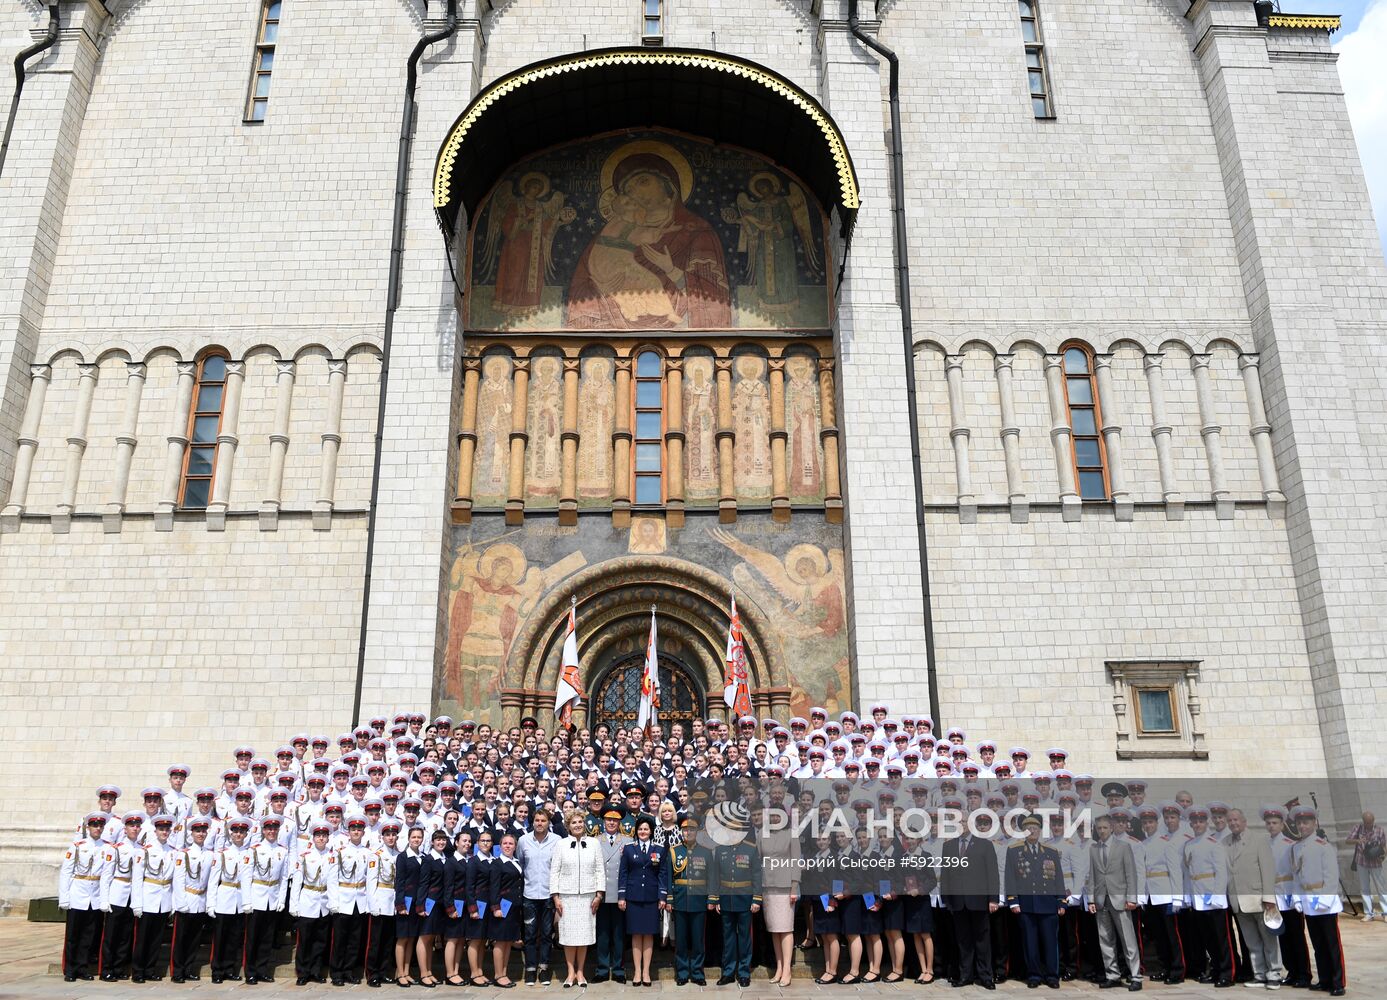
(332, 445)
(568, 485)
(621, 447)
(1112, 438)
(959, 435)
(76, 446)
(1261, 434)
(780, 498)
(227, 440)
(135, 374)
(1160, 432)
(674, 442)
(727, 502)
(1011, 440)
(39, 377)
(519, 438)
(828, 434)
(1061, 435)
(467, 441)
(1211, 432)
(279, 444)
(178, 444)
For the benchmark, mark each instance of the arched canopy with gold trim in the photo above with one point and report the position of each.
(715, 96)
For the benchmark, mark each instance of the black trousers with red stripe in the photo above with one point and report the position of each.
(260, 934)
(1162, 928)
(1191, 930)
(187, 938)
(1217, 935)
(149, 938)
(116, 938)
(380, 948)
(1295, 954)
(1329, 950)
(79, 941)
(228, 944)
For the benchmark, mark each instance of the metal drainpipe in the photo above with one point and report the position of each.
(908, 335)
(397, 240)
(49, 39)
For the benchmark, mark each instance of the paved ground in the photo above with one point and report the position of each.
(28, 950)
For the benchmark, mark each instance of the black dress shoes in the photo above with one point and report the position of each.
(743, 983)
(727, 980)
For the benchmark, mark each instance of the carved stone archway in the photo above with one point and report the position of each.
(614, 601)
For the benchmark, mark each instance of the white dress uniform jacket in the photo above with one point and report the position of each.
(1206, 872)
(192, 870)
(351, 889)
(268, 885)
(382, 864)
(1285, 871)
(315, 870)
(117, 876)
(152, 889)
(1317, 877)
(79, 878)
(1163, 868)
(227, 879)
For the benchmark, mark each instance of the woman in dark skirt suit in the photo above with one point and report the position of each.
(476, 892)
(642, 889)
(407, 869)
(892, 910)
(454, 920)
(919, 913)
(430, 906)
(507, 883)
(861, 926)
(819, 881)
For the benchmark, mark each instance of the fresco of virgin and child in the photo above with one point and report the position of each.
(647, 231)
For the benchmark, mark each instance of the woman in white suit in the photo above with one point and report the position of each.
(577, 879)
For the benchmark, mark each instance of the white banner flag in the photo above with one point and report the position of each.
(650, 683)
(570, 685)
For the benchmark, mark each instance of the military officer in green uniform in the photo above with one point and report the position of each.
(635, 812)
(691, 867)
(592, 822)
(736, 895)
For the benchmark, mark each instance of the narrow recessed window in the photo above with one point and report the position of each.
(1086, 423)
(204, 424)
(258, 102)
(652, 19)
(650, 431)
(1037, 72)
(1156, 711)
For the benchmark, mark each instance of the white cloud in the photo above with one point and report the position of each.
(1365, 91)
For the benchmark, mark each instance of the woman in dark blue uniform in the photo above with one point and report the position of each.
(407, 870)
(824, 879)
(919, 913)
(454, 906)
(506, 895)
(889, 876)
(642, 889)
(476, 892)
(430, 905)
(861, 924)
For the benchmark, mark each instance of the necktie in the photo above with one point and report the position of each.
(1103, 854)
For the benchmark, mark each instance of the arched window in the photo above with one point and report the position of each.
(204, 424)
(618, 697)
(1080, 393)
(649, 485)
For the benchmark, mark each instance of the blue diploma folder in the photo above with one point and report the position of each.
(428, 906)
(868, 900)
(460, 906)
(827, 900)
(505, 907)
(884, 887)
(837, 886)
(409, 902)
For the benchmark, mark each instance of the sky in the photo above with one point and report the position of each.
(1361, 44)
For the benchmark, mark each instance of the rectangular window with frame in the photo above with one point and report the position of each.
(1037, 67)
(1157, 708)
(258, 100)
(1156, 711)
(204, 425)
(652, 20)
(649, 440)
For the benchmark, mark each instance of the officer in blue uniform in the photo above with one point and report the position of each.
(1035, 892)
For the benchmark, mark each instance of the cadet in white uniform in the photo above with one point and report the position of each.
(380, 936)
(349, 895)
(1317, 897)
(225, 902)
(191, 872)
(117, 879)
(1206, 885)
(151, 896)
(79, 894)
(1295, 953)
(314, 871)
(266, 889)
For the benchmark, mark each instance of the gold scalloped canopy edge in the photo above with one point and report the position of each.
(1315, 22)
(442, 181)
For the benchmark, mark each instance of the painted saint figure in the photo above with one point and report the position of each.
(802, 422)
(751, 416)
(546, 389)
(490, 481)
(519, 247)
(655, 264)
(700, 418)
(769, 217)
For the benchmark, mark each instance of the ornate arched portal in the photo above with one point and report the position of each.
(616, 694)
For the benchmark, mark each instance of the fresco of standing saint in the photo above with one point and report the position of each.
(769, 217)
(519, 243)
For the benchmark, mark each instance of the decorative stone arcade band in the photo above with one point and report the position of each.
(673, 425)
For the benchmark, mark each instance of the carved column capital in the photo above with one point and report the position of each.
(1246, 361)
(187, 369)
(136, 369)
(1002, 362)
(44, 372)
(285, 367)
(88, 370)
(337, 366)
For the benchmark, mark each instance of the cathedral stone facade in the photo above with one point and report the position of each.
(309, 413)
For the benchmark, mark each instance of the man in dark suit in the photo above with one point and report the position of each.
(970, 885)
(1035, 892)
